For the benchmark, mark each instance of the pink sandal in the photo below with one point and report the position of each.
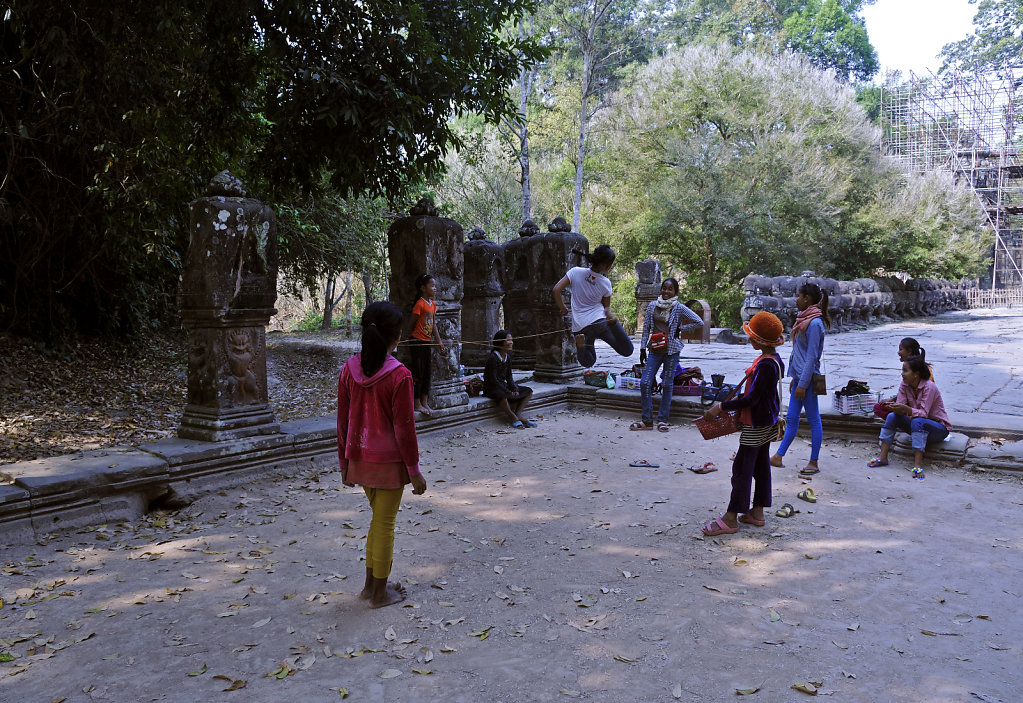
(718, 527)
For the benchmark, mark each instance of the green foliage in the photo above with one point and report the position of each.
(480, 187)
(996, 43)
(831, 37)
(116, 114)
(737, 162)
(325, 234)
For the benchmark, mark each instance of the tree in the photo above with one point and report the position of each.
(740, 162)
(326, 235)
(114, 115)
(832, 37)
(479, 187)
(996, 43)
(598, 38)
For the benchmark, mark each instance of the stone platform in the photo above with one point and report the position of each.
(977, 357)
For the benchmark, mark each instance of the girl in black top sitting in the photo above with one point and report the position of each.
(499, 385)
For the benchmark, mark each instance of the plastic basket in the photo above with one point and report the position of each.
(862, 404)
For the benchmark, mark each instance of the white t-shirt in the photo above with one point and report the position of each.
(588, 289)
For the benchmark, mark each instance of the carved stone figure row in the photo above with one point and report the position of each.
(520, 275)
(857, 303)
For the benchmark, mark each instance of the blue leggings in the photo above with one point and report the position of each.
(813, 416)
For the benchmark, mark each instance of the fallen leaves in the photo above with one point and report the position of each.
(810, 687)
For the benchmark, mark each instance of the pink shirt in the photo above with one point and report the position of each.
(924, 401)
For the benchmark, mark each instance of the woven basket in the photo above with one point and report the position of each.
(723, 424)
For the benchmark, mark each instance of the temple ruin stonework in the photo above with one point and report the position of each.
(226, 297)
(422, 243)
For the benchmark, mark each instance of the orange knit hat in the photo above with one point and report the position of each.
(765, 328)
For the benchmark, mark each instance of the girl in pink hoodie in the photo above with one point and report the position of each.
(376, 441)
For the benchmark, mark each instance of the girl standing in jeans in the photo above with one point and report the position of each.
(919, 410)
(592, 318)
(808, 334)
(663, 317)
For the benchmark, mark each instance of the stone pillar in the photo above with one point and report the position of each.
(227, 295)
(518, 315)
(550, 256)
(648, 287)
(484, 289)
(425, 243)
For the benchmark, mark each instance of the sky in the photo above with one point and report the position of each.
(908, 34)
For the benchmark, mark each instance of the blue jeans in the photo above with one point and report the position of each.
(813, 416)
(653, 362)
(921, 429)
(611, 333)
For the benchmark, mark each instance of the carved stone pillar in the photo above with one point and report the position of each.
(425, 243)
(550, 256)
(518, 314)
(226, 296)
(484, 289)
(648, 287)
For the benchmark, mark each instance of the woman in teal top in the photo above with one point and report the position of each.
(808, 334)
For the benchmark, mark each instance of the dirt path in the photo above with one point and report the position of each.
(540, 568)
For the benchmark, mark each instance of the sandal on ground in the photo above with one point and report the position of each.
(518, 425)
(918, 473)
(808, 495)
(644, 464)
(808, 471)
(750, 520)
(707, 468)
(719, 527)
(663, 427)
(786, 511)
(529, 423)
(875, 462)
(640, 426)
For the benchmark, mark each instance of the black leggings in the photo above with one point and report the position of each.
(419, 365)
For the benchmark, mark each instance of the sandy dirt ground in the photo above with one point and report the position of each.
(540, 567)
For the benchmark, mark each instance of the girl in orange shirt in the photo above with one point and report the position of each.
(423, 327)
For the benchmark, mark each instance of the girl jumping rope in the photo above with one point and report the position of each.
(376, 441)
(592, 318)
(423, 327)
(808, 335)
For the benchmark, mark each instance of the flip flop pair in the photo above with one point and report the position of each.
(644, 464)
(707, 468)
(786, 511)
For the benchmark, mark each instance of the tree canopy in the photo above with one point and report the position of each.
(996, 43)
(728, 162)
(115, 115)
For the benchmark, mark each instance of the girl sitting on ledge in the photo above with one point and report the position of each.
(919, 410)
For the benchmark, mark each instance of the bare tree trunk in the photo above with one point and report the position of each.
(584, 120)
(367, 283)
(328, 307)
(348, 304)
(527, 193)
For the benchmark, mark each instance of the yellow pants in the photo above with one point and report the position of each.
(380, 540)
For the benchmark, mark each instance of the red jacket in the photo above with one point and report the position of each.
(375, 419)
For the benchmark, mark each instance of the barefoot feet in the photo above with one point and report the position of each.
(385, 593)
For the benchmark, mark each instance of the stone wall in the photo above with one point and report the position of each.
(857, 303)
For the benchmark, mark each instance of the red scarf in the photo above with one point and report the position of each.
(746, 414)
(805, 317)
